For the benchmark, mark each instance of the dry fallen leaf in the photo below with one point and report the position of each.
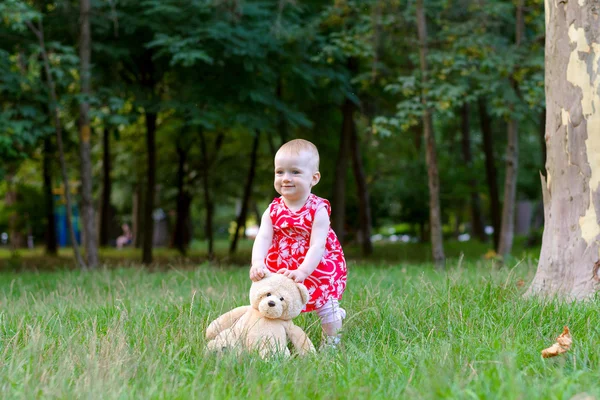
(563, 343)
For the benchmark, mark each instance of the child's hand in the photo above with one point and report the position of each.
(297, 275)
(257, 272)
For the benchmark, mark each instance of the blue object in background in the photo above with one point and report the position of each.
(62, 231)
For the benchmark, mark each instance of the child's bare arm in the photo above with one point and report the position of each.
(263, 241)
(318, 239)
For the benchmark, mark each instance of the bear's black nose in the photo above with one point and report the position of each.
(271, 304)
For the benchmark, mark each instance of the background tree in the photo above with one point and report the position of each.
(569, 261)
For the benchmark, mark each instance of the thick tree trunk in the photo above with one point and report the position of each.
(476, 220)
(106, 209)
(362, 192)
(151, 177)
(241, 220)
(491, 172)
(569, 263)
(39, 33)
(88, 213)
(181, 233)
(51, 243)
(512, 158)
(338, 213)
(435, 215)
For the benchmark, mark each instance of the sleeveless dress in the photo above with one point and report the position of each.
(291, 240)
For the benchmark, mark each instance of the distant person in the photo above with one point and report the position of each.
(125, 238)
(295, 239)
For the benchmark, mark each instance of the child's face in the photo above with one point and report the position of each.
(295, 175)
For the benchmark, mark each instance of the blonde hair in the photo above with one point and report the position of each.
(297, 146)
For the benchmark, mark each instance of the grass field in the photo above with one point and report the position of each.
(411, 332)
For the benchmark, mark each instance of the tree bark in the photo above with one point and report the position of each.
(435, 215)
(208, 202)
(88, 213)
(151, 178)
(362, 192)
(569, 263)
(51, 243)
(241, 220)
(106, 209)
(39, 33)
(338, 213)
(510, 190)
(476, 220)
(491, 172)
(137, 214)
(512, 158)
(181, 233)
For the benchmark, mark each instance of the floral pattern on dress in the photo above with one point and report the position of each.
(291, 240)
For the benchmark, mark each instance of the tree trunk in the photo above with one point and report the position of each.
(106, 209)
(362, 192)
(51, 244)
(208, 202)
(476, 220)
(39, 33)
(435, 215)
(338, 217)
(569, 263)
(15, 235)
(181, 236)
(512, 158)
(137, 215)
(151, 177)
(88, 213)
(491, 172)
(510, 190)
(241, 220)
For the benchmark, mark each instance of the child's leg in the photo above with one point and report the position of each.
(331, 315)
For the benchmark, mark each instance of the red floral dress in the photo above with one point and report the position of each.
(291, 240)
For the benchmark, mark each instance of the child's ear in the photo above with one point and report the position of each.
(316, 178)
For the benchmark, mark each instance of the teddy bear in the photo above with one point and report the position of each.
(266, 324)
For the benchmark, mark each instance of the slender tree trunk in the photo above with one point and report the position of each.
(435, 215)
(491, 171)
(87, 201)
(10, 199)
(338, 217)
(184, 200)
(149, 200)
(137, 229)
(106, 209)
(476, 220)
(510, 190)
(241, 220)
(51, 243)
(282, 126)
(39, 33)
(208, 202)
(512, 161)
(569, 263)
(362, 192)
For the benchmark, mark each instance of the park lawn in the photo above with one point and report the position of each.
(411, 332)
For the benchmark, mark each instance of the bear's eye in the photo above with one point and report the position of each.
(268, 294)
(281, 299)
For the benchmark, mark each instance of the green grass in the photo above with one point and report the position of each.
(411, 332)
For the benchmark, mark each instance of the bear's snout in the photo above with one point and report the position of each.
(271, 303)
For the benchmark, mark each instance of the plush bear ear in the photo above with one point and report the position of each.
(303, 293)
